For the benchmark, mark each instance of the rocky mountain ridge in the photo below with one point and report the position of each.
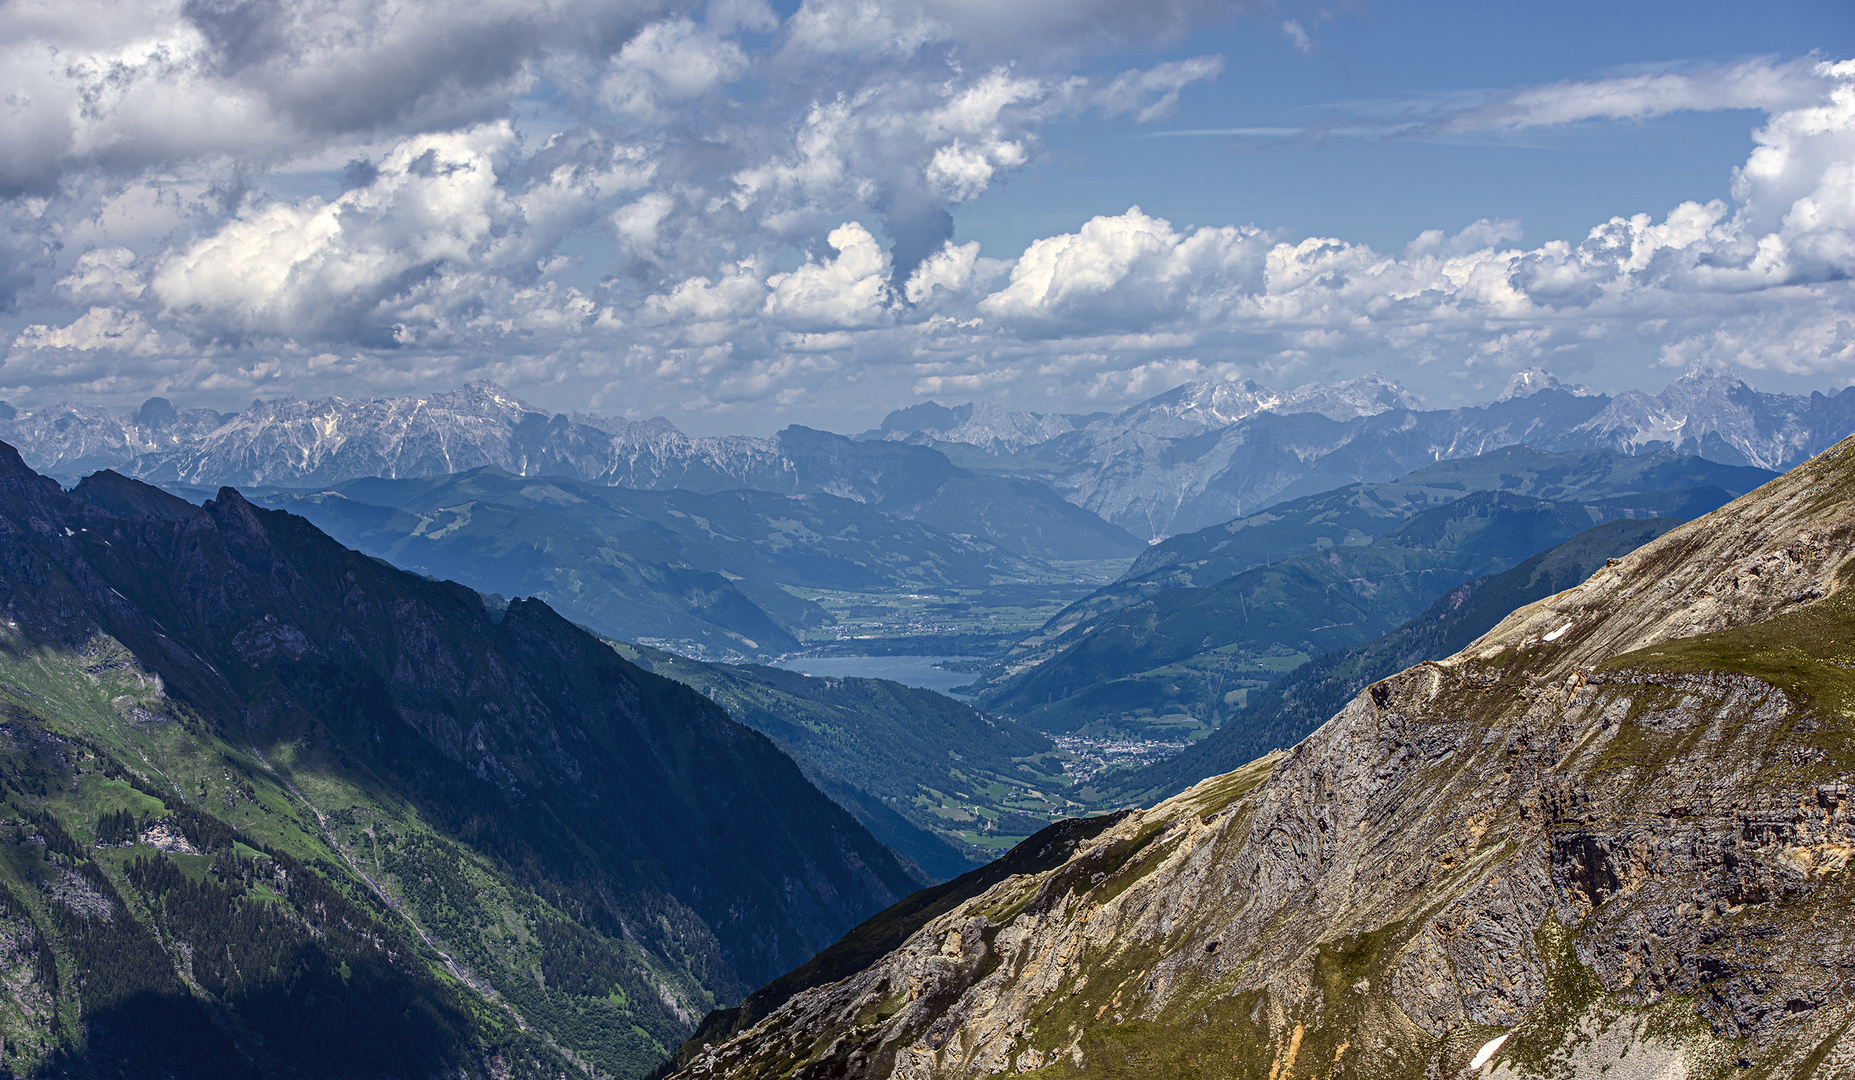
(311, 445)
(1198, 454)
(1611, 836)
(1160, 484)
(1181, 412)
(986, 425)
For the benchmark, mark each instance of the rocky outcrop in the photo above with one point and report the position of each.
(1613, 834)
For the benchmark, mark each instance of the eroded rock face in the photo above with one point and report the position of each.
(1606, 857)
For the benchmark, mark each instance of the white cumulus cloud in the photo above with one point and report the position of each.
(124, 86)
(846, 292)
(660, 204)
(1129, 271)
(667, 63)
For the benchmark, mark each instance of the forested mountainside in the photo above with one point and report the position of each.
(1190, 657)
(1661, 483)
(935, 779)
(1610, 837)
(1293, 706)
(272, 807)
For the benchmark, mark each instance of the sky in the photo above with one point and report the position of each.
(742, 215)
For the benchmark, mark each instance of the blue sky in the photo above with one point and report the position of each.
(741, 215)
(1385, 192)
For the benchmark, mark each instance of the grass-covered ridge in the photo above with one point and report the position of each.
(1808, 653)
(178, 880)
(184, 910)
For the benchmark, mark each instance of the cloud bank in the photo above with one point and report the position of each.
(650, 206)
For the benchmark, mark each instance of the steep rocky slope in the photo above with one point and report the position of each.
(269, 806)
(1613, 833)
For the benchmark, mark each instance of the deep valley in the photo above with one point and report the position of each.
(508, 770)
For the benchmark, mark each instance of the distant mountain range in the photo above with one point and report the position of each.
(1196, 455)
(1203, 619)
(1614, 483)
(1203, 453)
(707, 572)
(309, 445)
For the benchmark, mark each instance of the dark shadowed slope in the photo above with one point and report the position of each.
(500, 789)
(932, 777)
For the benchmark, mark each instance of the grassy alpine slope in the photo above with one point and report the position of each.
(1611, 836)
(275, 808)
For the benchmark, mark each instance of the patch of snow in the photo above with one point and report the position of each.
(1559, 633)
(1489, 1048)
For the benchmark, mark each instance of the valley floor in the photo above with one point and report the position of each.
(949, 620)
